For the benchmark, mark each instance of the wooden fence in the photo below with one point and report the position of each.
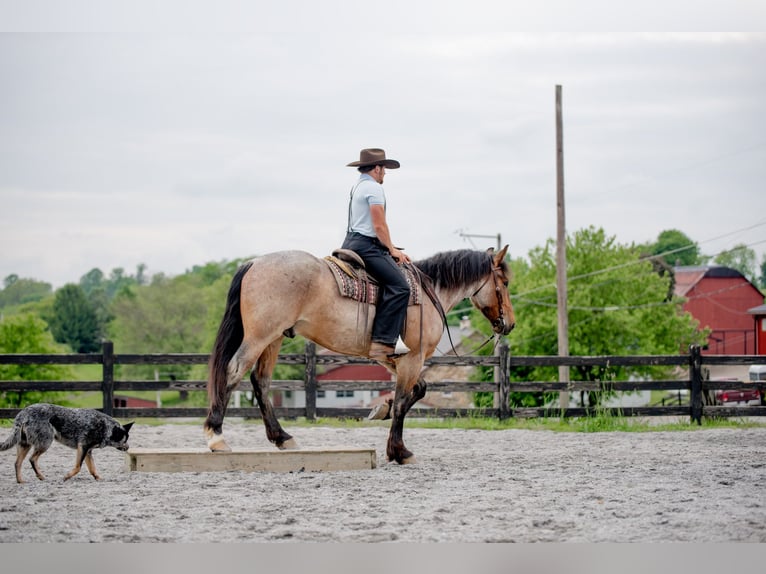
(692, 363)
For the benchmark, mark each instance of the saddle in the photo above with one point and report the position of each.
(355, 283)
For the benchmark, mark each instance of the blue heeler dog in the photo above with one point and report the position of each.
(36, 426)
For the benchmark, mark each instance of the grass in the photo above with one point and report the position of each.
(582, 425)
(603, 421)
(600, 423)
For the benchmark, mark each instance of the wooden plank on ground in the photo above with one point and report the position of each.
(199, 460)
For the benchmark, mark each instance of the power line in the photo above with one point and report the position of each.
(521, 297)
(608, 308)
(676, 302)
(736, 231)
(640, 261)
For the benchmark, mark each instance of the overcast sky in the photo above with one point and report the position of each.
(127, 144)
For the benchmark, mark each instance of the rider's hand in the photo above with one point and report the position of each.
(400, 256)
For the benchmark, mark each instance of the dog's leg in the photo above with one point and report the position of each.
(81, 454)
(21, 453)
(36, 454)
(91, 465)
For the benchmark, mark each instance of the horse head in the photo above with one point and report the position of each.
(492, 298)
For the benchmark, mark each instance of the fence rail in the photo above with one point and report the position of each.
(699, 389)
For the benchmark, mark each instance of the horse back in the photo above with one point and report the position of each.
(297, 292)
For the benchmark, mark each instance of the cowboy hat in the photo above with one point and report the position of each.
(374, 156)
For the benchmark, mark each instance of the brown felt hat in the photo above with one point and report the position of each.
(374, 156)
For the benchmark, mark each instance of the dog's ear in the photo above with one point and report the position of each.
(127, 427)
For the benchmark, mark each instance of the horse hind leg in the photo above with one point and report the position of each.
(260, 378)
(243, 361)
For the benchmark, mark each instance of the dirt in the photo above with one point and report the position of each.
(468, 486)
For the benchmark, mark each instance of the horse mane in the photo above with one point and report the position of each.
(456, 269)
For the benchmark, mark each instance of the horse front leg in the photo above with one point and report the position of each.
(261, 381)
(403, 401)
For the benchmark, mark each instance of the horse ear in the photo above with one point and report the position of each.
(500, 257)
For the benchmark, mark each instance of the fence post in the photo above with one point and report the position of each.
(695, 374)
(504, 382)
(107, 379)
(310, 381)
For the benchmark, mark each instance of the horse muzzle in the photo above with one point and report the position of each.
(500, 327)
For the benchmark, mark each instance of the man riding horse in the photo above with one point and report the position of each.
(369, 236)
(291, 293)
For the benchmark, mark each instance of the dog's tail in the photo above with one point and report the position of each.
(14, 439)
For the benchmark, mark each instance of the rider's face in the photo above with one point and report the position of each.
(378, 173)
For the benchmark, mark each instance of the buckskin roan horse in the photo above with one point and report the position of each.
(293, 292)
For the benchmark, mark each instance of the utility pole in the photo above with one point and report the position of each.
(561, 253)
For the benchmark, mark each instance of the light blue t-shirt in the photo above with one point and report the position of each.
(365, 193)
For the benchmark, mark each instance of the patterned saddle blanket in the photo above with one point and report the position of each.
(356, 284)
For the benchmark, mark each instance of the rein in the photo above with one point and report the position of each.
(478, 347)
(499, 296)
(427, 287)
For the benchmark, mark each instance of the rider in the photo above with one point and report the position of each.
(369, 237)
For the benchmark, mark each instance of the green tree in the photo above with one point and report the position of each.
(17, 291)
(74, 320)
(101, 306)
(617, 305)
(676, 248)
(179, 315)
(92, 281)
(118, 282)
(741, 258)
(167, 316)
(23, 334)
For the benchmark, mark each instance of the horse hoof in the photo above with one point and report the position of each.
(407, 458)
(289, 444)
(379, 412)
(217, 444)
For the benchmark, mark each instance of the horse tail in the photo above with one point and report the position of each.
(229, 338)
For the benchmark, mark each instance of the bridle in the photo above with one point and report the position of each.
(500, 319)
(498, 293)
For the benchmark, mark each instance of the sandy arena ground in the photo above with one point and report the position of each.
(468, 486)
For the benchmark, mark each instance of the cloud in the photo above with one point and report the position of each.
(174, 149)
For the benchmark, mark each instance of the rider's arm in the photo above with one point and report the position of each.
(378, 215)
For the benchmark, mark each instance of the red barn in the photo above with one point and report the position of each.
(720, 298)
(759, 314)
(356, 372)
(124, 402)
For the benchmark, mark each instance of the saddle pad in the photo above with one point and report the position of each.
(366, 290)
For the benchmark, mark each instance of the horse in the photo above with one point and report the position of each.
(293, 292)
